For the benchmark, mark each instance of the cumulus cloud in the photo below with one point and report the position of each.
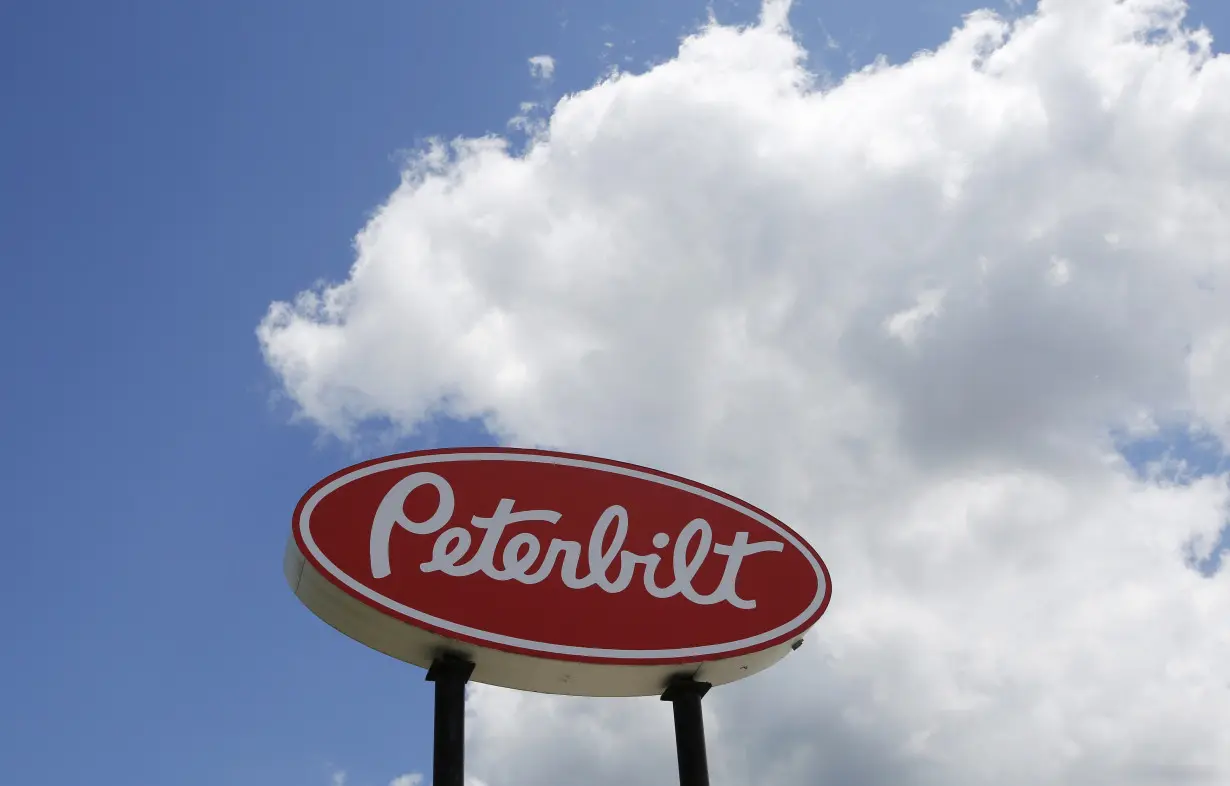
(908, 313)
(409, 779)
(542, 67)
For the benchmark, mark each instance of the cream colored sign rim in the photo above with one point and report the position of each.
(794, 627)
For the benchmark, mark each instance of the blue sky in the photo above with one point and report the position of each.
(168, 170)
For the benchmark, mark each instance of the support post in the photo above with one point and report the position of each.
(685, 694)
(450, 673)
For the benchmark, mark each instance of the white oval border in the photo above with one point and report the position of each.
(527, 645)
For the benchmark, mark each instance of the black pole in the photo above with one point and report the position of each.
(450, 674)
(685, 694)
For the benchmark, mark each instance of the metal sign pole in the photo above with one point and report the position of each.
(450, 674)
(685, 694)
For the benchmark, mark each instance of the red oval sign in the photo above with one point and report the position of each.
(558, 557)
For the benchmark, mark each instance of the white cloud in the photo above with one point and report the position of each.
(409, 779)
(542, 66)
(906, 324)
(1060, 272)
(699, 268)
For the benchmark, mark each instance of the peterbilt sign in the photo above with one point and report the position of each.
(553, 572)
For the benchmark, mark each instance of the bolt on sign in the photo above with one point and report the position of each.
(555, 573)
